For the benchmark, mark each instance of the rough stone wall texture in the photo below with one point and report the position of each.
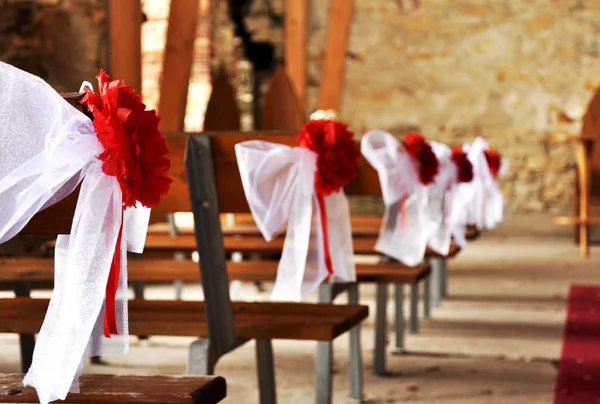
(508, 70)
(60, 41)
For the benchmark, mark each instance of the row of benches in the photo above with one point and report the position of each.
(252, 321)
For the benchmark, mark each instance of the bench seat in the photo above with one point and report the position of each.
(257, 244)
(113, 389)
(262, 320)
(167, 270)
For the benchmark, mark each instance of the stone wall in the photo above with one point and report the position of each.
(509, 70)
(60, 41)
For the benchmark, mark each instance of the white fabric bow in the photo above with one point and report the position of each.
(486, 207)
(279, 185)
(443, 199)
(406, 223)
(47, 149)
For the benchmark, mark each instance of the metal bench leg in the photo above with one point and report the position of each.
(324, 373)
(178, 286)
(426, 298)
(380, 330)
(399, 300)
(444, 278)
(324, 355)
(266, 372)
(356, 369)
(414, 308)
(138, 293)
(26, 341)
(200, 360)
(436, 281)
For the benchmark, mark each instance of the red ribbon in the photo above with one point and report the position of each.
(110, 320)
(323, 216)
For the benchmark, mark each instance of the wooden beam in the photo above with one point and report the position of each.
(296, 23)
(332, 77)
(177, 63)
(125, 22)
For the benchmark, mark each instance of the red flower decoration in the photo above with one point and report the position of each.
(463, 165)
(135, 151)
(337, 151)
(422, 153)
(494, 161)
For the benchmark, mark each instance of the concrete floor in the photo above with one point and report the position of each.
(496, 339)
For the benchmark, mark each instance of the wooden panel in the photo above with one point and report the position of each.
(296, 24)
(123, 389)
(282, 110)
(256, 243)
(332, 77)
(56, 219)
(177, 64)
(187, 318)
(222, 112)
(125, 22)
(178, 199)
(166, 270)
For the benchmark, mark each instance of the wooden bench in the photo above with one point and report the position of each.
(221, 325)
(110, 389)
(586, 195)
(25, 316)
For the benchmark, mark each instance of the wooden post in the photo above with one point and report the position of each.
(125, 21)
(296, 23)
(177, 63)
(584, 195)
(332, 78)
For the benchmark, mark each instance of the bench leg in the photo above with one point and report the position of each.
(178, 289)
(399, 300)
(200, 360)
(266, 372)
(426, 298)
(380, 330)
(178, 285)
(26, 341)
(356, 369)
(444, 278)
(436, 281)
(414, 308)
(138, 293)
(324, 372)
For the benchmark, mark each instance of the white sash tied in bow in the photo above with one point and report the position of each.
(442, 199)
(47, 149)
(486, 208)
(279, 185)
(406, 223)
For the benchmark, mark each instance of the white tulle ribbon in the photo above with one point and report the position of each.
(442, 199)
(486, 207)
(279, 185)
(407, 224)
(48, 149)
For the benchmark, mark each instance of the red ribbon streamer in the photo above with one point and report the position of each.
(323, 216)
(110, 320)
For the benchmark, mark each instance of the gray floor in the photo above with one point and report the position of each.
(494, 340)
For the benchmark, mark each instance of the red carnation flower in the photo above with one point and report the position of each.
(423, 155)
(135, 151)
(337, 151)
(463, 165)
(494, 161)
